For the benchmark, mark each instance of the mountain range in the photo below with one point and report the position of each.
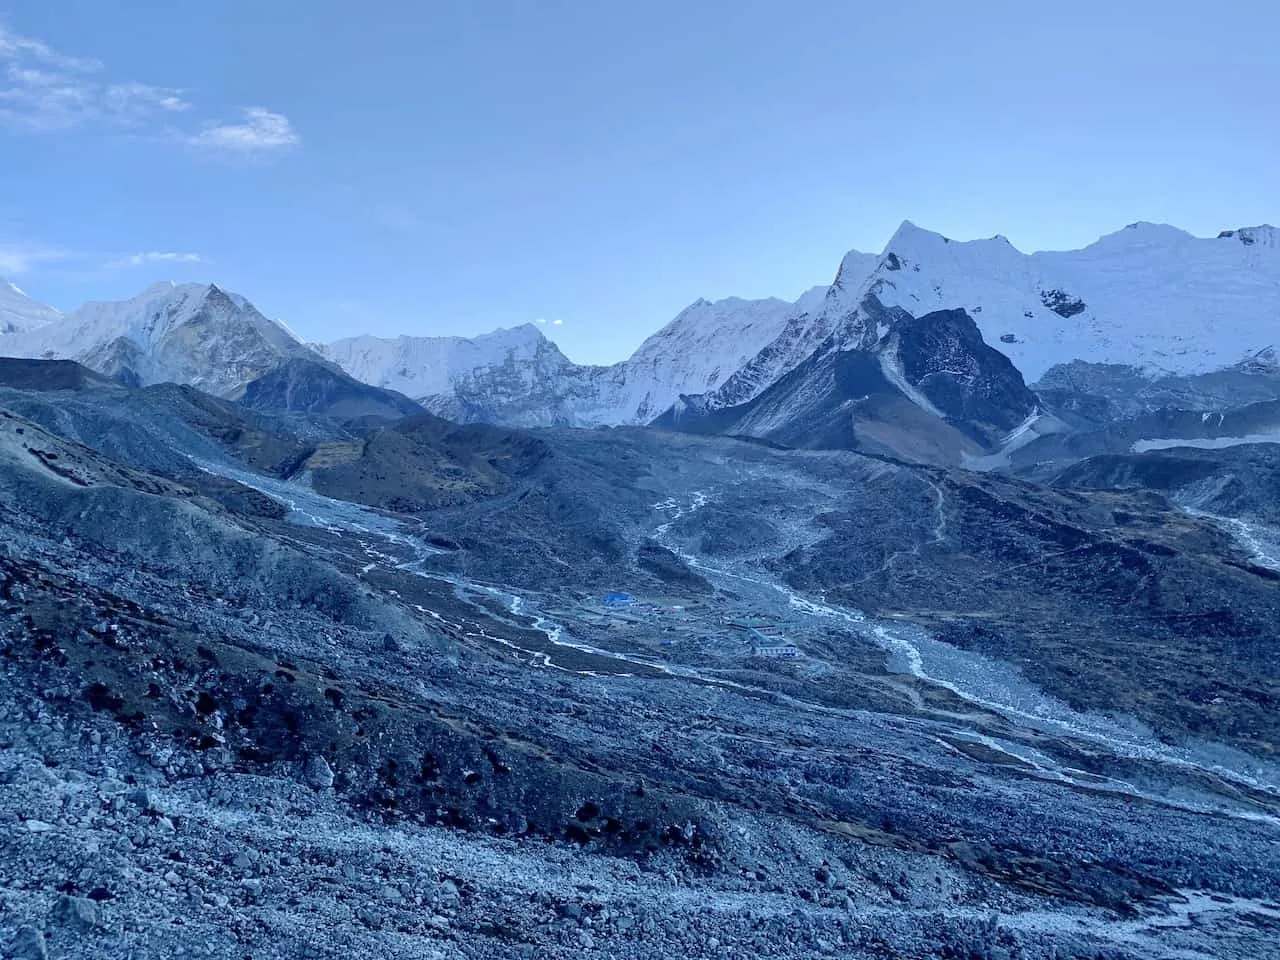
(1019, 346)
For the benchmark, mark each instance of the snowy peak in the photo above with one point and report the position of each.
(191, 333)
(1141, 235)
(854, 268)
(511, 376)
(912, 248)
(525, 337)
(19, 313)
(726, 333)
(1149, 296)
(811, 322)
(696, 352)
(425, 367)
(518, 377)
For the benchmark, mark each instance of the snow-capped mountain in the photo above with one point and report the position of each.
(194, 334)
(19, 313)
(935, 336)
(706, 344)
(1150, 298)
(518, 377)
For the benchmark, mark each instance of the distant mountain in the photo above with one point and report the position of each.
(515, 376)
(194, 334)
(1146, 318)
(1143, 317)
(203, 336)
(19, 313)
(1151, 301)
(519, 377)
(303, 385)
(1150, 296)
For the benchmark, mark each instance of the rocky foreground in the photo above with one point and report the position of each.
(279, 687)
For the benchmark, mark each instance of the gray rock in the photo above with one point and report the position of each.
(145, 800)
(28, 944)
(77, 912)
(318, 773)
(571, 911)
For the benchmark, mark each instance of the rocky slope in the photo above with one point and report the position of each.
(1149, 299)
(926, 389)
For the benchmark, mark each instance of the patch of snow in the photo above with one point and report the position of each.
(891, 367)
(1204, 443)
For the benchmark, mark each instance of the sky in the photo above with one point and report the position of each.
(428, 168)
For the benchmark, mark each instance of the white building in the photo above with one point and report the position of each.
(784, 651)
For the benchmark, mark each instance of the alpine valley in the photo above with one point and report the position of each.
(935, 613)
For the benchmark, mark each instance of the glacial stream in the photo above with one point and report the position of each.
(996, 686)
(985, 683)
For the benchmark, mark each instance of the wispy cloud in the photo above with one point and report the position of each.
(13, 46)
(132, 101)
(22, 258)
(44, 91)
(17, 259)
(154, 256)
(544, 321)
(262, 131)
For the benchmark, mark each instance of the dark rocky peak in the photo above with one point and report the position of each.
(940, 359)
(302, 385)
(1263, 234)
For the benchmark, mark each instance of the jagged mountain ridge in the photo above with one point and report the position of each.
(1149, 300)
(1148, 296)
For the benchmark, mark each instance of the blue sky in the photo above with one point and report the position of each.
(420, 167)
